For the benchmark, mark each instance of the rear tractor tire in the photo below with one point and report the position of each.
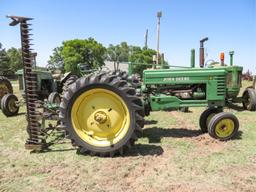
(102, 115)
(69, 82)
(223, 126)
(5, 87)
(122, 74)
(9, 106)
(206, 116)
(249, 99)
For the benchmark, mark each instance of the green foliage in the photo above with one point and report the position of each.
(135, 54)
(10, 60)
(4, 60)
(118, 53)
(73, 52)
(141, 56)
(15, 59)
(92, 53)
(56, 60)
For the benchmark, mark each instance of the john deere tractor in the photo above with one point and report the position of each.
(102, 114)
(50, 86)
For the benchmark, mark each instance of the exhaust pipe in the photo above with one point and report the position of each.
(192, 58)
(201, 57)
(231, 53)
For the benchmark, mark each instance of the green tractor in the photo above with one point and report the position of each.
(50, 86)
(46, 84)
(102, 114)
(10, 104)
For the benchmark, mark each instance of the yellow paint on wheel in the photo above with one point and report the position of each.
(100, 117)
(12, 105)
(224, 128)
(3, 90)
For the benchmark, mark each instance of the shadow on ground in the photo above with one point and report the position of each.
(150, 122)
(19, 114)
(49, 150)
(155, 134)
(238, 136)
(137, 150)
(144, 150)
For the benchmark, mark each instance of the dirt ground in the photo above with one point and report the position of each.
(172, 155)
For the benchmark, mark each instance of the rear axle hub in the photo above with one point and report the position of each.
(100, 117)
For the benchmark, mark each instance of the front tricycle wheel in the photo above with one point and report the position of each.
(223, 126)
(206, 116)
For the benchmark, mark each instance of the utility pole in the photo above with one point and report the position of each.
(146, 39)
(159, 15)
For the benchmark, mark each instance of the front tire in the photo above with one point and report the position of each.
(102, 115)
(206, 116)
(223, 126)
(249, 99)
(8, 105)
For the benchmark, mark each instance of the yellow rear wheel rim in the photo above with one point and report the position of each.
(225, 128)
(100, 117)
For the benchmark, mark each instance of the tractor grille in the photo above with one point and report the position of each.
(229, 80)
(239, 79)
(221, 85)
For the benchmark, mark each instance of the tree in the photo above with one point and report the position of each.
(142, 58)
(56, 59)
(10, 60)
(74, 52)
(14, 59)
(4, 60)
(118, 53)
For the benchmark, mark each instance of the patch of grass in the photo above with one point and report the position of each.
(172, 152)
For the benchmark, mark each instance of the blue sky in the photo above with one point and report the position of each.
(229, 24)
